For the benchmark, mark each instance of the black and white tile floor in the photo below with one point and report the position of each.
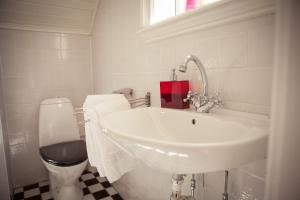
(93, 186)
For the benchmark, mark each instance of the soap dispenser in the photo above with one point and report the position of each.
(173, 92)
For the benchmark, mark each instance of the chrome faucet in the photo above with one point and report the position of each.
(202, 102)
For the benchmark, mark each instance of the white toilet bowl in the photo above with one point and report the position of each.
(64, 181)
(61, 149)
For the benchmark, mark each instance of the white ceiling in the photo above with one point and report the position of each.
(67, 16)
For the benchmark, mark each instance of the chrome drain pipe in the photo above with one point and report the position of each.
(177, 181)
(225, 194)
(193, 186)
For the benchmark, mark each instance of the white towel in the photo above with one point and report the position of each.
(109, 158)
(89, 103)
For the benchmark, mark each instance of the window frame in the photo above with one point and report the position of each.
(219, 13)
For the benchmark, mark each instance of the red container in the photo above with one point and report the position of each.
(172, 94)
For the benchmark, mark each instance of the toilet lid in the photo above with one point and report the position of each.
(65, 153)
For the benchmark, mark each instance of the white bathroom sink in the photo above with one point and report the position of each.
(179, 141)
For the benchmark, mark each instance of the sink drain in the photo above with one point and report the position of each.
(193, 121)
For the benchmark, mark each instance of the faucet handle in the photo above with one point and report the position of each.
(216, 99)
(190, 93)
(189, 96)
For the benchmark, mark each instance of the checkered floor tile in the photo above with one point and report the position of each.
(93, 186)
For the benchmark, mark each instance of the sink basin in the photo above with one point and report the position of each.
(182, 141)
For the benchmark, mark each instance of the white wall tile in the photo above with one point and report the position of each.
(72, 41)
(14, 66)
(167, 55)
(245, 186)
(256, 169)
(5, 40)
(261, 44)
(47, 41)
(208, 52)
(36, 66)
(234, 51)
(24, 39)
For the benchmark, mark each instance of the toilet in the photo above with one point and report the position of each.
(61, 149)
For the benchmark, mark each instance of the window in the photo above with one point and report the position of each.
(161, 19)
(164, 9)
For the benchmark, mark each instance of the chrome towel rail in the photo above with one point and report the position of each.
(146, 101)
(128, 93)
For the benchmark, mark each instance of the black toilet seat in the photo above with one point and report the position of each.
(65, 154)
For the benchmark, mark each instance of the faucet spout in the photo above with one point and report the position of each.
(183, 68)
(202, 102)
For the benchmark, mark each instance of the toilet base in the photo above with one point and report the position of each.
(68, 192)
(64, 184)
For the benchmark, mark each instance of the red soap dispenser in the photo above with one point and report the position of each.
(173, 92)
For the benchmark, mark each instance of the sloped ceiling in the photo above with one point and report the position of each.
(67, 16)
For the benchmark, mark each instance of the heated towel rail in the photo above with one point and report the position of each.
(135, 102)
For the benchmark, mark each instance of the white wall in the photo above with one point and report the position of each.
(5, 172)
(35, 66)
(4, 182)
(283, 178)
(237, 57)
